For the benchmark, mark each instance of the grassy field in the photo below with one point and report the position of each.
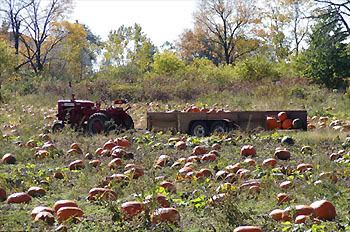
(28, 118)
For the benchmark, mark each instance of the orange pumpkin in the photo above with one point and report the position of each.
(324, 210)
(8, 159)
(95, 163)
(122, 142)
(170, 187)
(269, 163)
(46, 217)
(277, 214)
(300, 219)
(233, 168)
(102, 193)
(115, 163)
(199, 150)
(63, 203)
(131, 209)
(18, 198)
(3, 194)
(169, 215)
(282, 198)
(99, 151)
(39, 209)
(109, 145)
(36, 191)
(287, 124)
(248, 150)
(304, 167)
(134, 170)
(180, 145)
(282, 116)
(303, 210)
(248, 229)
(272, 123)
(282, 154)
(208, 157)
(204, 173)
(65, 213)
(286, 184)
(249, 162)
(76, 165)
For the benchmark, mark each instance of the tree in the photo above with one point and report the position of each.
(41, 34)
(328, 62)
(339, 7)
(167, 63)
(7, 62)
(225, 22)
(129, 45)
(14, 10)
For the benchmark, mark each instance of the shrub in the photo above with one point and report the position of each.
(167, 63)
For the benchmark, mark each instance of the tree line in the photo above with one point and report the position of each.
(36, 37)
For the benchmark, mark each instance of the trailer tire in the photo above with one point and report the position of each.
(219, 127)
(199, 129)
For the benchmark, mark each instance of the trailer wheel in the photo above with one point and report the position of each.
(219, 127)
(199, 129)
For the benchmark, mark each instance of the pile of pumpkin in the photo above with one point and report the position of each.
(283, 122)
(324, 122)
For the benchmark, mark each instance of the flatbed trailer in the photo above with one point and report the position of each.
(204, 123)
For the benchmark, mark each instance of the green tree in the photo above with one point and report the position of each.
(327, 60)
(7, 62)
(167, 63)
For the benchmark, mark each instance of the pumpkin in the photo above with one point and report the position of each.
(204, 173)
(134, 170)
(169, 215)
(287, 124)
(36, 192)
(183, 171)
(248, 150)
(122, 142)
(89, 156)
(324, 210)
(304, 167)
(269, 163)
(199, 150)
(102, 193)
(161, 200)
(286, 184)
(247, 229)
(233, 168)
(75, 146)
(249, 162)
(118, 152)
(221, 175)
(131, 208)
(208, 157)
(162, 161)
(106, 153)
(277, 214)
(95, 163)
(39, 209)
(254, 189)
(3, 194)
(58, 175)
(8, 159)
(17, 198)
(282, 198)
(272, 123)
(115, 163)
(282, 154)
(300, 219)
(180, 145)
(282, 116)
(170, 187)
(68, 212)
(46, 217)
(216, 146)
(99, 151)
(303, 210)
(76, 165)
(64, 203)
(109, 145)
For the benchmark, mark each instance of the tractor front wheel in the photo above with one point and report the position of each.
(57, 127)
(97, 123)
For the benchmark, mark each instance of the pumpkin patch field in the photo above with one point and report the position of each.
(278, 180)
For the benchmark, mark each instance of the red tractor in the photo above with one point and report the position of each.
(87, 115)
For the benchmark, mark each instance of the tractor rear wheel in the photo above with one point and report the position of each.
(128, 123)
(97, 123)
